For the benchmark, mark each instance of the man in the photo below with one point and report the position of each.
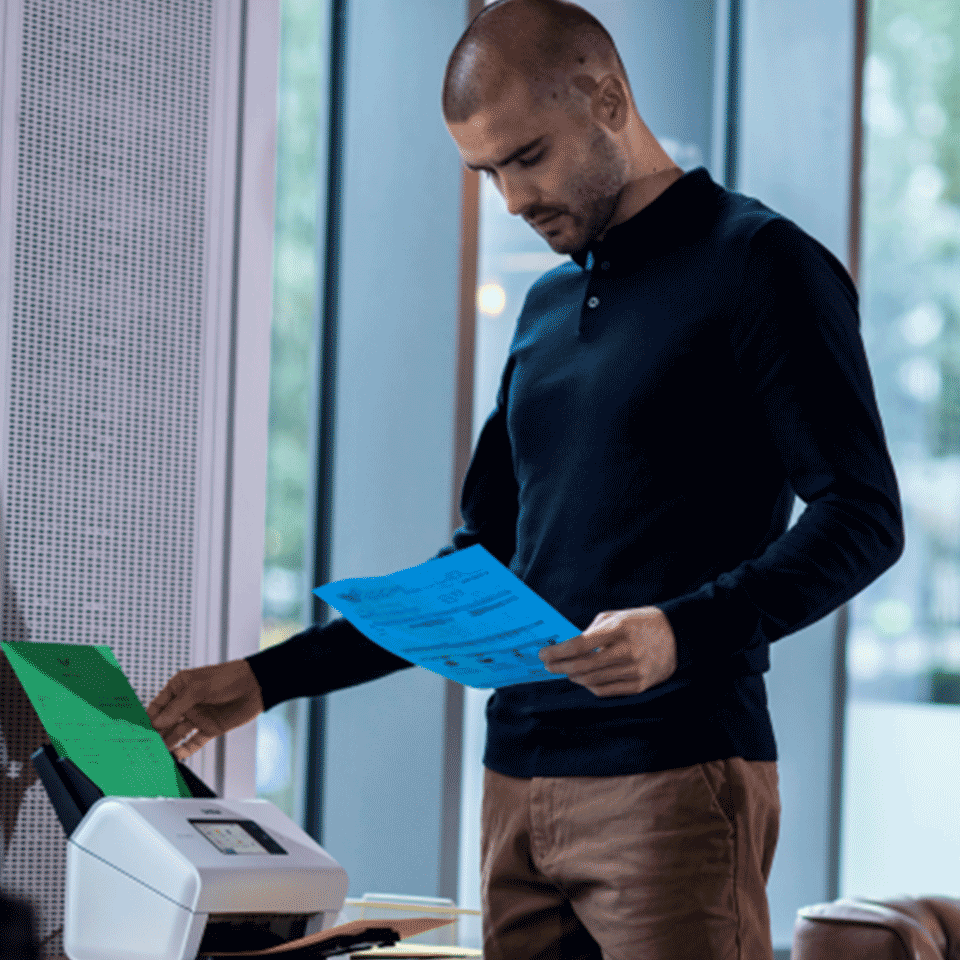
(667, 393)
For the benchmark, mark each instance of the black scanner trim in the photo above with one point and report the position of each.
(336, 946)
(233, 933)
(73, 793)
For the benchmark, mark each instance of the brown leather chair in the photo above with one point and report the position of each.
(854, 928)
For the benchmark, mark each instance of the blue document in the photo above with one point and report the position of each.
(464, 616)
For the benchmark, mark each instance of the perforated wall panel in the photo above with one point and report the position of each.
(105, 365)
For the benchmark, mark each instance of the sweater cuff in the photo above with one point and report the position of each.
(319, 660)
(711, 625)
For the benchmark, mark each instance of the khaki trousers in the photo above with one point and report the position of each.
(670, 865)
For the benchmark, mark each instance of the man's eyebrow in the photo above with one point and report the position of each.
(513, 156)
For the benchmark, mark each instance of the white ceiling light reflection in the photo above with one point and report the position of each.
(892, 616)
(491, 299)
(866, 656)
(950, 650)
(930, 119)
(879, 108)
(905, 31)
(684, 155)
(911, 655)
(920, 378)
(922, 325)
(925, 184)
(273, 753)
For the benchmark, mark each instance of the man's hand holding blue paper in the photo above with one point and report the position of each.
(464, 616)
(621, 653)
(468, 618)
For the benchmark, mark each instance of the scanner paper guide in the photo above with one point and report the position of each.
(93, 717)
(464, 616)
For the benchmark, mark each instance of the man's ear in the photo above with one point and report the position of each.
(611, 99)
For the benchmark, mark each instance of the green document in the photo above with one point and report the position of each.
(92, 716)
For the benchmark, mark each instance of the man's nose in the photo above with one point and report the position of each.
(519, 194)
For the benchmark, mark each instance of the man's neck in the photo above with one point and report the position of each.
(641, 192)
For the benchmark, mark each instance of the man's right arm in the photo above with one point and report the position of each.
(205, 702)
(319, 660)
(337, 655)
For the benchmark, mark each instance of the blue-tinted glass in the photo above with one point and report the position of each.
(905, 629)
(902, 744)
(281, 732)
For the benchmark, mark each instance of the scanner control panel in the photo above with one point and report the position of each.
(238, 836)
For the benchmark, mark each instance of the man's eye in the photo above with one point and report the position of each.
(530, 161)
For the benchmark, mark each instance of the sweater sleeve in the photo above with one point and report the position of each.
(335, 655)
(801, 360)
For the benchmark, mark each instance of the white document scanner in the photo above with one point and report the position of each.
(175, 878)
(180, 878)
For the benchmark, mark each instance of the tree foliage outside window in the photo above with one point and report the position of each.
(289, 471)
(905, 628)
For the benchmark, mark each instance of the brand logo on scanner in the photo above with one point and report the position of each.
(211, 810)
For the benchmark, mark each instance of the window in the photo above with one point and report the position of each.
(287, 578)
(903, 653)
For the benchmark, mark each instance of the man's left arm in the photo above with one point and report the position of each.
(798, 349)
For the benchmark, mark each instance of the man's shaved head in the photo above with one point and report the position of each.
(536, 97)
(544, 42)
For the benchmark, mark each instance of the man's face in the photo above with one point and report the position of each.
(558, 169)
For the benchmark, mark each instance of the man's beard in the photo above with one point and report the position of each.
(596, 189)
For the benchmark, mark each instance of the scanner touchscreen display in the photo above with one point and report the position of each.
(228, 837)
(237, 836)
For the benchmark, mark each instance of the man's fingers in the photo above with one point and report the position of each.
(602, 672)
(617, 663)
(202, 721)
(195, 730)
(596, 658)
(175, 700)
(190, 746)
(608, 668)
(621, 689)
(579, 646)
(612, 680)
(169, 718)
(176, 733)
(174, 722)
(168, 694)
(159, 702)
(209, 699)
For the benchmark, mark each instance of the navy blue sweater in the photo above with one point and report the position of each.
(667, 395)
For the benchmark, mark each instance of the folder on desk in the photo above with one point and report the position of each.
(357, 935)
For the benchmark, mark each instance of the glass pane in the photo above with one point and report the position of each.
(281, 732)
(903, 653)
(904, 640)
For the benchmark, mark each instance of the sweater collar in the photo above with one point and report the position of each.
(659, 225)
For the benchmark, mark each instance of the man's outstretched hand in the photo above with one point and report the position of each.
(622, 652)
(199, 704)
